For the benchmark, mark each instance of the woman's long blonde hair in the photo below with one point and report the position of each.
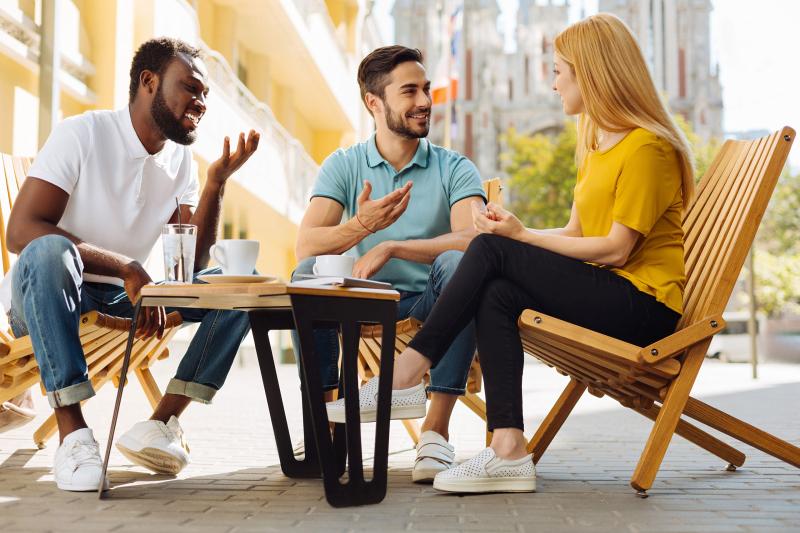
(617, 90)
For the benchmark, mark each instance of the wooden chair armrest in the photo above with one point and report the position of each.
(554, 328)
(679, 341)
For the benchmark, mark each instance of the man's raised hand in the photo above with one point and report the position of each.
(378, 214)
(221, 169)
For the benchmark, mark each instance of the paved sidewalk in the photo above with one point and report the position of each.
(235, 482)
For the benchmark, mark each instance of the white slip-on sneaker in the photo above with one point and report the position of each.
(156, 446)
(78, 466)
(434, 455)
(488, 473)
(406, 403)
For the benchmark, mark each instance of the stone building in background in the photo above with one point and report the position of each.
(499, 89)
(675, 36)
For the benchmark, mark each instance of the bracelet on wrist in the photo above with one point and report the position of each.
(363, 225)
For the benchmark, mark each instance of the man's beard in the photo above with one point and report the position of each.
(166, 121)
(395, 124)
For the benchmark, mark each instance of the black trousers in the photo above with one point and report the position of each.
(498, 278)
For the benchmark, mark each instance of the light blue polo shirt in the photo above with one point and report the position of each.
(441, 178)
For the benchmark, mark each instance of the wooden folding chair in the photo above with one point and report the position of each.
(370, 347)
(103, 337)
(656, 380)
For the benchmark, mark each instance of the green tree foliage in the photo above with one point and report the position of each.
(542, 174)
(777, 259)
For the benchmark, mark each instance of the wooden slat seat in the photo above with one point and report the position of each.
(103, 337)
(719, 228)
(370, 347)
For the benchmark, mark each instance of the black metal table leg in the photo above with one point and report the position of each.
(263, 321)
(350, 313)
(123, 373)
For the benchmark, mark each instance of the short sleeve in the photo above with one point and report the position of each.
(191, 195)
(649, 183)
(59, 161)
(465, 181)
(332, 178)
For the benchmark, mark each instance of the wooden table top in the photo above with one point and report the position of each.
(248, 295)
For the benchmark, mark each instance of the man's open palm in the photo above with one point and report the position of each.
(221, 169)
(378, 214)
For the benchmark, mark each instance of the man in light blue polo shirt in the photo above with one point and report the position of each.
(402, 207)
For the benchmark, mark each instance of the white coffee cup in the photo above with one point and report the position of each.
(334, 265)
(237, 257)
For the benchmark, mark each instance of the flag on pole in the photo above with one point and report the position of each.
(446, 75)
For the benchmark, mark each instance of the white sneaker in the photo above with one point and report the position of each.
(434, 455)
(156, 446)
(406, 403)
(299, 449)
(78, 466)
(488, 473)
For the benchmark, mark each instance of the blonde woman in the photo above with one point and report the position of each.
(616, 267)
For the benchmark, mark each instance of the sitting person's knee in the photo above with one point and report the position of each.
(49, 250)
(448, 261)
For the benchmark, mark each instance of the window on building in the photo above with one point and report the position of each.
(527, 74)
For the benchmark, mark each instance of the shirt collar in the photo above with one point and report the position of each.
(134, 146)
(374, 157)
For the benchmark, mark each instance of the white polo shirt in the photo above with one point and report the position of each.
(119, 195)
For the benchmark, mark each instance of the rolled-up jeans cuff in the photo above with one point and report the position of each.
(196, 391)
(70, 395)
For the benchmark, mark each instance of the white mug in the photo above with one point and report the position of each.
(334, 265)
(237, 257)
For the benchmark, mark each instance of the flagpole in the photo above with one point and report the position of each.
(448, 112)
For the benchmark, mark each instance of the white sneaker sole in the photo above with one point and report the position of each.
(425, 475)
(77, 487)
(495, 484)
(400, 412)
(153, 459)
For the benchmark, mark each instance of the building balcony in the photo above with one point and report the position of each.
(303, 53)
(280, 173)
(20, 38)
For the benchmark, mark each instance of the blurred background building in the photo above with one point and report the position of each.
(285, 68)
(675, 39)
(493, 90)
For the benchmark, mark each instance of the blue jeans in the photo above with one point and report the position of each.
(450, 375)
(49, 295)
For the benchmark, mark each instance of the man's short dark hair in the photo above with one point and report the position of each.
(154, 55)
(373, 72)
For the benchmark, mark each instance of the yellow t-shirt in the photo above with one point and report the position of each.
(637, 182)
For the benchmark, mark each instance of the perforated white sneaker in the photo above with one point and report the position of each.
(434, 455)
(78, 466)
(406, 403)
(488, 473)
(156, 446)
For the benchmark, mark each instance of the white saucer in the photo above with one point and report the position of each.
(223, 278)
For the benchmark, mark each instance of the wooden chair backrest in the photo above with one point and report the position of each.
(494, 190)
(719, 227)
(12, 173)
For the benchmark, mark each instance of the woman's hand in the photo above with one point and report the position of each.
(497, 221)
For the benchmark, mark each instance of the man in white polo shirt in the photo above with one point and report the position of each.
(85, 220)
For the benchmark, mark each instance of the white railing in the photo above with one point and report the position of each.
(300, 169)
(309, 9)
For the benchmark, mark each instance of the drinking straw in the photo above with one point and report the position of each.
(180, 240)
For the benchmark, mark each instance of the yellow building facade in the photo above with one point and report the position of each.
(285, 68)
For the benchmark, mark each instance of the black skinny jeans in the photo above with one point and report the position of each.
(498, 278)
